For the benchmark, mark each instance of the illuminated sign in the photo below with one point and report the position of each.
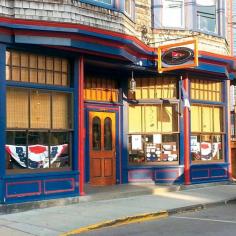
(177, 56)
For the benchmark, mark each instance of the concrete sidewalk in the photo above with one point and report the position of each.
(61, 219)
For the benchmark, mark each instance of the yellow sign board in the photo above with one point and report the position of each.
(178, 56)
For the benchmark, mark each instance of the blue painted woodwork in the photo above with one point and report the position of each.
(207, 173)
(32, 187)
(39, 86)
(157, 174)
(2, 115)
(76, 107)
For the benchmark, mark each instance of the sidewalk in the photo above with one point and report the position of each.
(61, 219)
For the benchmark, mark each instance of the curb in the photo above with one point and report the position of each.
(147, 217)
(119, 221)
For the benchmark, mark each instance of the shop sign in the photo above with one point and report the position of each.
(177, 56)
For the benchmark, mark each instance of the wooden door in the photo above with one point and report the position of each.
(102, 148)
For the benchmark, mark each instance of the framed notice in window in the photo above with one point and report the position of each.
(136, 142)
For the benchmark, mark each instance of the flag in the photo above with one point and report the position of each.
(37, 155)
(184, 97)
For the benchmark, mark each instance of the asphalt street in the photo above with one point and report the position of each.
(215, 221)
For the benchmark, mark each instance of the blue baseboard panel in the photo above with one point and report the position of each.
(209, 173)
(168, 175)
(33, 188)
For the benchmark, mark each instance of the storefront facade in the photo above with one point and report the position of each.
(69, 117)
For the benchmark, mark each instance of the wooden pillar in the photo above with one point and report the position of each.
(186, 118)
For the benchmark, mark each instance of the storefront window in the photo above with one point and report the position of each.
(207, 133)
(153, 148)
(39, 121)
(153, 134)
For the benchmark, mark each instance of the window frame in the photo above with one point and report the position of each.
(131, 12)
(200, 13)
(211, 133)
(177, 133)
(101, 4)
(165, 7)
(50, 89)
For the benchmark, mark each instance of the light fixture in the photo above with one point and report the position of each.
(132, 83)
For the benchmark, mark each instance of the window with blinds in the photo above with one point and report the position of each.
(101, 89)
(39, 129)
(37, 109)
(153, 118)
(207, 119)
(156, 88)
(33, 68)
(206, 90)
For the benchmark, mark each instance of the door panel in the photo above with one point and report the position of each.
(108, 167)
(97, 167)
(102, 150)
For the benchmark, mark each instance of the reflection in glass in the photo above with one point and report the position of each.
(16, 140)
(96, 133)
(59, 150)
(108, 134)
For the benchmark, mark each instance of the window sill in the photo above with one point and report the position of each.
(207, 162)
(37, 171)
(172, 163)
(99, 4)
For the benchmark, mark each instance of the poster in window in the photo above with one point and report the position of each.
(136, 142)
(157, 138)
(194, 144)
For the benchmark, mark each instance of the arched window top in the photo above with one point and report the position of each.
(96, 133)
(108, 133)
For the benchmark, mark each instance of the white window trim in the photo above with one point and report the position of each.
(182, 17)
(208, 3)
(130, 14)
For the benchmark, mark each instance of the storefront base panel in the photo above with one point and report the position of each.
(209, 173)
(32, 188)
(165, 175)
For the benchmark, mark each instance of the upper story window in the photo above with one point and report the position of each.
(173, 13)
(206, 15)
